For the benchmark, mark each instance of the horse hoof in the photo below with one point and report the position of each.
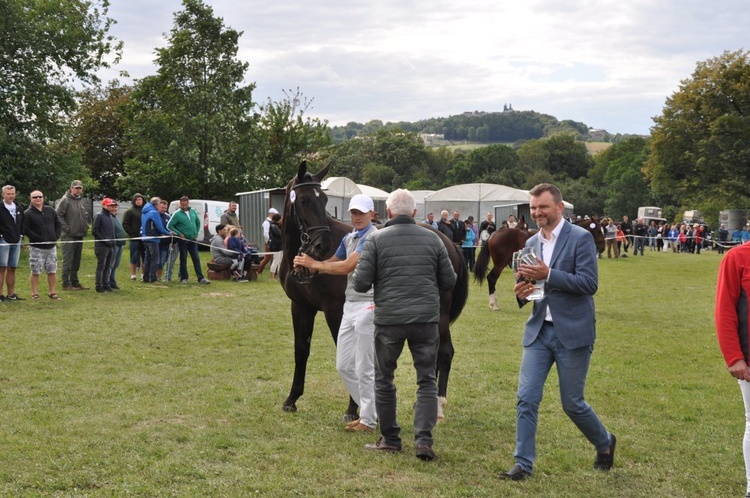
(442, 402)
(348, 417)
(289, 408)
(494, 307)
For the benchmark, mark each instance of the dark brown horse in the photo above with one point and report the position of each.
(504, 242)
(308, 228)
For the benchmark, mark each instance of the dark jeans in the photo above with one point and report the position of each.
(423, 339)
(638, 244)
(72, 248)
(151, 262)
(469, 253)
(116, 257)
(103, 265)
(189, 246)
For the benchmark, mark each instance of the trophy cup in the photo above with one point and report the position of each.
(527, 256)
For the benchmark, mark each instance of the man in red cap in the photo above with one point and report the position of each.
(103, 230)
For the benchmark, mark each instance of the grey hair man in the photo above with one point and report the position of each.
(11, 221)
(407, 307)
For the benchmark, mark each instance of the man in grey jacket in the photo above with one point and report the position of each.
(407, 265)
(75, 225)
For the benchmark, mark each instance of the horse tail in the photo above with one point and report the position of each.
(460, 290)
(482, 262)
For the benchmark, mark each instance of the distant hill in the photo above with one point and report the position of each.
(483, 127)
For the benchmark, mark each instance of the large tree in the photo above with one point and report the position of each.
(700, 148)
(624, 183)
(290, 137)
(193, 130)
(46, 49)
(100, 125)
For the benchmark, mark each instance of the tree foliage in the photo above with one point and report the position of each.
(192, 127)
(100, 125)
(625, 185)
(290, 136)
(700, 147)
(46, 48)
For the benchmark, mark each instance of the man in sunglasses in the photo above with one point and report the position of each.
(43, 228)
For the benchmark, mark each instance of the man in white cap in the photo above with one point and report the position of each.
(266, 234)
(355, 354)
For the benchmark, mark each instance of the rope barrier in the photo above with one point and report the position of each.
(176, 239)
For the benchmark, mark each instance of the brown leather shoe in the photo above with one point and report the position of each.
(360, 427)
(515, 474)
(381, 445)
(351, 424)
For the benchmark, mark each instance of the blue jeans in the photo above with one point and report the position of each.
(423, 339)
(151, 262)
(116, 257)
(572, 367)
(189, 246)
(638, 244)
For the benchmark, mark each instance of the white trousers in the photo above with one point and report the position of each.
(745, 388)
(355, 357)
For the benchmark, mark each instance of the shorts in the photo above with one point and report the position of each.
(9, 254)
(42, 259)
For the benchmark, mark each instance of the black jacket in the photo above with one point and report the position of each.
(10, 229)
(42, 226)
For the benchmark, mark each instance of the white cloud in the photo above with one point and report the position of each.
(610, 64)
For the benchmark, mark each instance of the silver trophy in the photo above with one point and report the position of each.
(527, 256)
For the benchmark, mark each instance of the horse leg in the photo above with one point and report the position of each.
(491, 281)
(444, 360)
(303, 320)
(333, 319)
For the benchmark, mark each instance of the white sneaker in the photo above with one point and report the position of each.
(184, 281)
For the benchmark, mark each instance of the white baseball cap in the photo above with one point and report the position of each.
(361, 203)
(273, 211)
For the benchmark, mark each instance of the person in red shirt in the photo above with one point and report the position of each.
(732, 316)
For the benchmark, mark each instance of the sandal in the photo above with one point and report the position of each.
(53, 295)
(35, 296)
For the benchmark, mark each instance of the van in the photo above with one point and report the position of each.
(209, 212)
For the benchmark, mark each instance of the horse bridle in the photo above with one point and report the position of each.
(308, 235)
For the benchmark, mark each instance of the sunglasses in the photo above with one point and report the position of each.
(37, 197)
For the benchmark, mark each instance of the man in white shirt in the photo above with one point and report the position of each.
(266, 227)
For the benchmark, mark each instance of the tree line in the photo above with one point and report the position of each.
(195, 128)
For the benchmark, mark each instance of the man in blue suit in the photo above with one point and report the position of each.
(560, 330)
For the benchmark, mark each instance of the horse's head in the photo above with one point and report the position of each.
(594, 225)
(306, 203)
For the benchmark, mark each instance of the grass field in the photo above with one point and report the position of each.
(177, 391)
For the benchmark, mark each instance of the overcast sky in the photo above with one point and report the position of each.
(608, 63)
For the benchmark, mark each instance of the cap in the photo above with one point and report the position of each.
(76, 183)
(361, 203)
(108, 202)
(273, 211)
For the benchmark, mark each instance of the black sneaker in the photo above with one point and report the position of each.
(3, 298)
(14, 297)
(604, 461)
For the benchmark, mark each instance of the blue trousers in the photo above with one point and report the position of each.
(189, 246)
(572, 368)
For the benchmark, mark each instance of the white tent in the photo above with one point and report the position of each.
(478, 199)
(378, 196)
(339, 190)
(473, 199)
(419, 196)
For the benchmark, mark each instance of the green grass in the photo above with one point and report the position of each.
(177, 392)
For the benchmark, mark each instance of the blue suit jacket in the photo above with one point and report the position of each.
(569, 289)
